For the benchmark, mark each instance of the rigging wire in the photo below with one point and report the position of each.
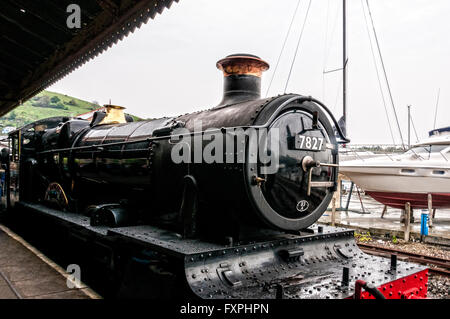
(385, 74)
(325, 51)
(414, 127)
(338, 94)
(298, 45)
(283, 46)
(435, 112)
(333, 31)
(378, 73)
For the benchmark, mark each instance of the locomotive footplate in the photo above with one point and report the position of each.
(324, 262)
(317, 266)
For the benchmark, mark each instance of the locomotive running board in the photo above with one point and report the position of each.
(320, 266)
(325, 263)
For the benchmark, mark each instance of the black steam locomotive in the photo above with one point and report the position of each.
(230, 192)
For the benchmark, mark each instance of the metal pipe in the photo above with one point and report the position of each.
(349, 197)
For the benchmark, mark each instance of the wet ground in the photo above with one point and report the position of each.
(388, 231)
(438, 287)
(368, 216)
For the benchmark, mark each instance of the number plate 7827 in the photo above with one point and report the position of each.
(309, 143)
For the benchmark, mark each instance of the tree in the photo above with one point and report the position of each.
(72, 102)
(43, 101)
(54, 99)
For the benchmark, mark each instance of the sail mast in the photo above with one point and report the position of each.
(344, 65)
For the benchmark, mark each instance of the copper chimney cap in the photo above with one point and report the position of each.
(239, 64)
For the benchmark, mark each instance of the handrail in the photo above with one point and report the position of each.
(443, 155)
(418, 155)
(389, 157)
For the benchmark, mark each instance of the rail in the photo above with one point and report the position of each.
(442, 264)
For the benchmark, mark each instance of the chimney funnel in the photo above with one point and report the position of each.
(114, 115)
(242, 77)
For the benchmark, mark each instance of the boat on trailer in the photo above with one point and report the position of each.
(394, 180)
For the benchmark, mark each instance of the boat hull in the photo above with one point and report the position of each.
(395, 186)
(417, 201)
(392, 179)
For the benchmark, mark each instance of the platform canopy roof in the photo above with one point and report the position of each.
(37, 48)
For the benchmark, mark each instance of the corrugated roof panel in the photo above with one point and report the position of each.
(37, 48)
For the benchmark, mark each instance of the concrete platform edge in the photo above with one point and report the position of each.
(81, 286)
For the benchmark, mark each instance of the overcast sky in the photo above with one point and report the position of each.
(167, 67)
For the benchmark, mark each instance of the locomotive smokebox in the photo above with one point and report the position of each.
(242, 77)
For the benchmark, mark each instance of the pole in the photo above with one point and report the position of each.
(344, 62)
(407, 221)
(333, 211)
(409, 126)
(430, 210)
(435, 112)
(349, 197)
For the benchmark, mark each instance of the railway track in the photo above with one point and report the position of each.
(440, 266)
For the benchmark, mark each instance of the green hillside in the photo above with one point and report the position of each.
(47, 104)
